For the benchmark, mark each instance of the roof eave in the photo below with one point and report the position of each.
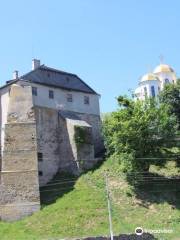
(51, 85)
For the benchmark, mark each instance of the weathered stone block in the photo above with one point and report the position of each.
(19, 189)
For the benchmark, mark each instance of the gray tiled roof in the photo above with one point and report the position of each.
(68, 114)
(75, 119)
(56, 78)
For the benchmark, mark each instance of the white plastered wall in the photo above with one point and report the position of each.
(60, 100)
(147, 84)
(166, 75)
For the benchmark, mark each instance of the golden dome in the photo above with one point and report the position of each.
(163, 68)
(148, 77)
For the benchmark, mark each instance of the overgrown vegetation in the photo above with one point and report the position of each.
(82, 135)
(171, 96)
(139, 133)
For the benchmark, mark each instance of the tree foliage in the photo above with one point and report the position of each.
(137, 131)
(171, 96)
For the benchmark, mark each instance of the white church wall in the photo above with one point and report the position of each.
(153, 83)
(148, 84)
(166, 75)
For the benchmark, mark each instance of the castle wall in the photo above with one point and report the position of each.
(95, 122)
(4, 110)
(80, 155)
(56, 146)
(19, 186)
(48, 140)
(89, 113)
(60, 100)
(67, 149)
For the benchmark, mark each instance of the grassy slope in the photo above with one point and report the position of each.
(81, 209)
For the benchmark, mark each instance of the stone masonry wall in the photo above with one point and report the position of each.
(19, 186)
(75, 158)
(48, 140)
(56, 146)
(95, 122)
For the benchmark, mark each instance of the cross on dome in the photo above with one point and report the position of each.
(161, 58)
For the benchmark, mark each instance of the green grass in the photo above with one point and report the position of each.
(77, 209)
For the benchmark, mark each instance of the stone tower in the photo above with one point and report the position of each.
(19, 183)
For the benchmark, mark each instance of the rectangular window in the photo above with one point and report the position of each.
(51, 94)
(40, 157)
(34, 91)
(152, 91)
(69, 97)
(40, 173)
(145, 91)
(86, 100)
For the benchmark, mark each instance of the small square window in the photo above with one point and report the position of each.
(86, 100)
(69, 97)
(40, 173)
(51, 94)
(40, 157)
(34, 91)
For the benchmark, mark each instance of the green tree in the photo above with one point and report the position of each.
(171, 96)
(137, 131)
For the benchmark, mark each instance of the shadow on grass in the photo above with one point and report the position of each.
(61, 184)
(154, 188)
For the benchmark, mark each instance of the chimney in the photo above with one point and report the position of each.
(15, 75)
(35, 64)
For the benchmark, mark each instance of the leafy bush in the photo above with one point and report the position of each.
(82, 135)
(171, 96)
(137, 131)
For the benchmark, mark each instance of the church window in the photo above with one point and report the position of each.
(152, 91)
(40, 157)
(86, 100)
(69, 97)
(166, 81)
(34, 91)
(51, 94)
(145, 91)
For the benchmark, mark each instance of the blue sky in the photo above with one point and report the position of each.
(108, 43)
